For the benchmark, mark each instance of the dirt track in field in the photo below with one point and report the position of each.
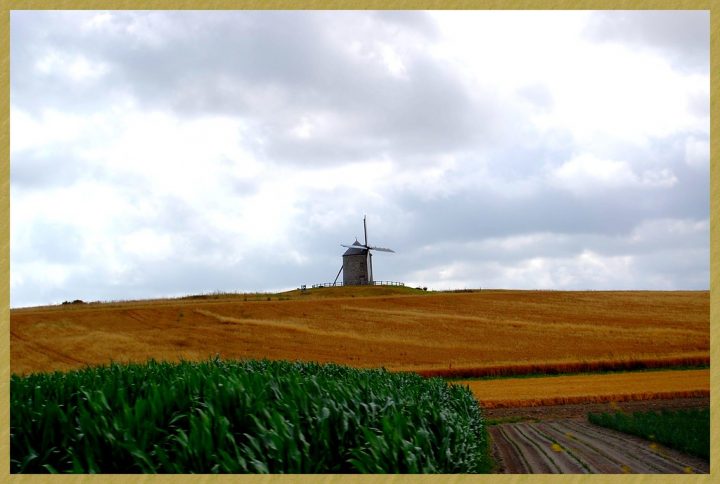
(395, 328)
(574, 446)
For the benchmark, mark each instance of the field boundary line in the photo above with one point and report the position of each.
(551, 368)
(540, 402)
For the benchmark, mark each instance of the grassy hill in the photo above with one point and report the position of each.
(399, 328)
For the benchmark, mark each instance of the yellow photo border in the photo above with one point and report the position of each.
(8, 5)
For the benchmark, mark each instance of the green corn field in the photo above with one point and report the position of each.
(221, 416)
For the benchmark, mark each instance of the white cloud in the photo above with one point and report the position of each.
(586, 174)
(609, 92)
(45, 273)
(51, 128)
(586, 171)
(584, 270)
(98, 21)
(142, 138)
(670, 232)
(76, 68)
(147, 244)
(507, 49)
(393, 61)
(303, 129)
(697, 152)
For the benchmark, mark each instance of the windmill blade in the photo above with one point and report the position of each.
(381, 249)
(365, 227)
(354, 246)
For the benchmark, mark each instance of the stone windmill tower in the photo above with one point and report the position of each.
(357, 262)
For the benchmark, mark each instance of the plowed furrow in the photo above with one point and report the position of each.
(633, 456)
(639, 455)
(574, 447)
(566, 461)
(659, 456)
(511, 460)
(594, 460)
(536, 459)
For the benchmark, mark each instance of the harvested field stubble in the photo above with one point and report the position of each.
(617, 387)
(555, 368)
(395, 328)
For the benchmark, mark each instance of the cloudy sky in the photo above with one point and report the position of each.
(172, 153)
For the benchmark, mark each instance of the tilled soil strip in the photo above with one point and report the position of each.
(572, 446)
(658, 455)
(609, 454)
(526, 458)
(566, 461)
(582, 409)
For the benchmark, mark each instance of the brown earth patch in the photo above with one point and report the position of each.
(580, 410)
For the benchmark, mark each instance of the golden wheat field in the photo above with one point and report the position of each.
(598, 388)
(392, 327)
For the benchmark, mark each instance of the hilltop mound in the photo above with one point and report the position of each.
(354, 291)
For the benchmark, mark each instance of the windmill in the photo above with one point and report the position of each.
(357, 262)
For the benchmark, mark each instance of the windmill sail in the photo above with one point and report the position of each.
(381, 249)
(367, 247)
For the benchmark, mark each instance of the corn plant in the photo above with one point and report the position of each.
(221, 416)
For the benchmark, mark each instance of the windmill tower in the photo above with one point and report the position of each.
(357, 262)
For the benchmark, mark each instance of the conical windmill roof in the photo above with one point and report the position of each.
(353, 251)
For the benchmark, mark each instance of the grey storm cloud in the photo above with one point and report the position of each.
(226, 62)
(54, 242)
(33, 169)
(470, 194)
(406, 19)
(683, 35)
(538, 94)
